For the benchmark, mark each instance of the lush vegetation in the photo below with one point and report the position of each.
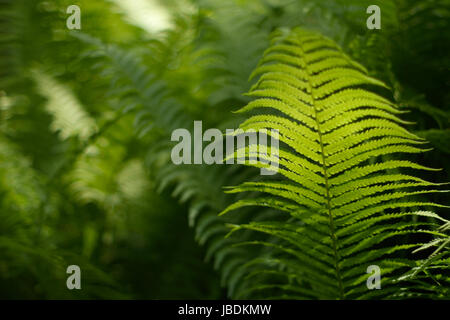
(86, 176)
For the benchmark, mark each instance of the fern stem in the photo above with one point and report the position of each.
(325, 173)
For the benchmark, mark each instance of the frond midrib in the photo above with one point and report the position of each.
(325, 175)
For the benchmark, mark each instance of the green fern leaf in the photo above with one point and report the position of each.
(341, 161)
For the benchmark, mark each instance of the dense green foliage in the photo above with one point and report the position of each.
(86, 176)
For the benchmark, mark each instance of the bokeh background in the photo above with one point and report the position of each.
(86, 117)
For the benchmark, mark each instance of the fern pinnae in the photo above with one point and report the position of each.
(333, 135)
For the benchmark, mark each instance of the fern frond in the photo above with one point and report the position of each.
(69, 116)
(137, 90)
(341, 158)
